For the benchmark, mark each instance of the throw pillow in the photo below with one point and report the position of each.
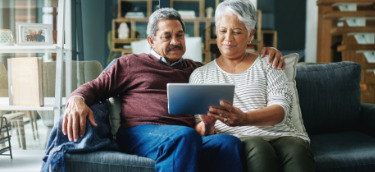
(290, 71)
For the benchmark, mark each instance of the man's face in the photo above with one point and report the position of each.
(169, 40)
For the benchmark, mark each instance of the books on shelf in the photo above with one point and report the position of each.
(25, 81)
(370, 56)
(134, 15)
(364, 38)
(187, 13)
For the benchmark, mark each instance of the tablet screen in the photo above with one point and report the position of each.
(184, 98)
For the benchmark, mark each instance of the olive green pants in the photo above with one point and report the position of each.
(286, 154)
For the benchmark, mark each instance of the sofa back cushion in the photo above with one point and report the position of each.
(329, 96)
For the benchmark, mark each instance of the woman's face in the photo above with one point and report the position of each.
(232, 36)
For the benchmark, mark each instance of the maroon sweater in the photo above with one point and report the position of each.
(140, 82)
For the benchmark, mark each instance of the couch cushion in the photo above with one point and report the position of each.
(114, 106)
(345, 151)
(107, 161)
(329, 96)
(290, 71)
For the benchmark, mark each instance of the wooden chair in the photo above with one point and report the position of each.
(5, 137)
(16, 121)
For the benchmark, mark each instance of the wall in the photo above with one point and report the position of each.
(268, 14)
(94, 30)
(290, 24)
(289, 20)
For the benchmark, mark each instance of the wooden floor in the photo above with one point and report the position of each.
(29, 160)
(23, 161)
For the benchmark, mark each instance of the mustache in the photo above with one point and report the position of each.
(173, 47)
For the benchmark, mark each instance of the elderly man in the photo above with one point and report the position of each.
(146, 127)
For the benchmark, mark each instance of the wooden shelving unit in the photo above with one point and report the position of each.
(336, 36)
(202, 26)
(61, 48)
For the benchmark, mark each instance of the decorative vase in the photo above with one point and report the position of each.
(6, 37)
(123, 31)
(209, 12)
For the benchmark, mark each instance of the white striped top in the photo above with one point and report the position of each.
(258, 87)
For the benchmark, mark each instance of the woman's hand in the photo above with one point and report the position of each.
(228, 114)
(275, 55)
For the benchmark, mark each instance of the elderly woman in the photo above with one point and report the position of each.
(260, 114)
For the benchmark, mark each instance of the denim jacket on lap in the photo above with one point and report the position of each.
(95, 138)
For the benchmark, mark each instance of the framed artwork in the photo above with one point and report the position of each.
(34, 34)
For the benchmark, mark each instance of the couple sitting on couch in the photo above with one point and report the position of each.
(180, 142)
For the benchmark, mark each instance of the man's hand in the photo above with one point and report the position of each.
(275, 55)
(206, 126)
(207, 120)
(74, 120)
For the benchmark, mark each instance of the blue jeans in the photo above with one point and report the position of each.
(180, 148)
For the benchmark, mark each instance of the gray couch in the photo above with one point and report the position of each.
(342, 130)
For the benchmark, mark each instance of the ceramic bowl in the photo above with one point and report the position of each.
(6, 37)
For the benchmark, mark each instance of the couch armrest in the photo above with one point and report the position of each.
(368, 115)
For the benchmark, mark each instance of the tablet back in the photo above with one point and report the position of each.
(184, 98)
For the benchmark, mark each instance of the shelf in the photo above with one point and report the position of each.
(347, 14)
(29, 49)
(344, 30)
(198, 26)
(126, 41)
(356, 47)
(330, 2)
(339, 44)
(122, 19)
(134, 0)
(196, 19)
(186, 0)
(49, 105)
(26, 108)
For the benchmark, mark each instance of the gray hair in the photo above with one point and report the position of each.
(243, 9)
(162, 14)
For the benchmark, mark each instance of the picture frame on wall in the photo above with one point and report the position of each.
(34, 34)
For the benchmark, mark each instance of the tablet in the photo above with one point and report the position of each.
(184, 98)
